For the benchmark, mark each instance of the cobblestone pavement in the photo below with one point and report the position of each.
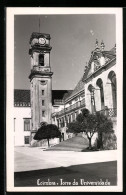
(29, 158)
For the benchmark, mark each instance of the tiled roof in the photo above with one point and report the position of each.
(22, 97)
(66, 95)
(59, 94)
(79, 87)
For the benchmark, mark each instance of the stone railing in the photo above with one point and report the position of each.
(82, 102)
(72, 107)
(40, 68)
(111, 112)
(58, 102)
(37, 68)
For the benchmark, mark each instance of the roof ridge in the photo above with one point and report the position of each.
(77, 88)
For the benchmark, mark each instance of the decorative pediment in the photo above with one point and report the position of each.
(97, 64)
(89, 72)
(99, 58)
(106, 60)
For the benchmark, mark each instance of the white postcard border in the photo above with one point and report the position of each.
(10, 12)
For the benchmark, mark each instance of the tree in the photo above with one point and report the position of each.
(74, 127)
(47, 131)
(104, 125)
(89, 127)
(85, 112)
(90, 124)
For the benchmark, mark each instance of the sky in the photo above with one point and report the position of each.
(73, 38)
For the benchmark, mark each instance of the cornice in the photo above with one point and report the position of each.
(39, 49)
(39, 74)
(100, 70)
(74, 96)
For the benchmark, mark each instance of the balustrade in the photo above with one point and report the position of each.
(111, 112)
(72, 107)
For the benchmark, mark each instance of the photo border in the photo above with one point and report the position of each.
(10, 96)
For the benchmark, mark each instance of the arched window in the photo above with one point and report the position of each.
(91, 89)
(112, 79)
(41, 59)
(100, 85)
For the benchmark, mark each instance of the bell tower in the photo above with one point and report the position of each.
(40, 79)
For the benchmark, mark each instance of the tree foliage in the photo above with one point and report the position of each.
(74, 127)
(104, 124)
(85, 113)
(47, 131)
(90, 124)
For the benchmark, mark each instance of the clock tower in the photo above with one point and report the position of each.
(40, 79)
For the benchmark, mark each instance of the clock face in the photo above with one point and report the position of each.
(42, 41)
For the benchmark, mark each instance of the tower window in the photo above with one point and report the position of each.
(42, 92)
(43, 102)
(41, 59)
(43, 113)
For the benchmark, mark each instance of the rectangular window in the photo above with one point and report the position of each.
(26, 139)
(42, 92)
(43, 102)
(26, 124)
(43, 113)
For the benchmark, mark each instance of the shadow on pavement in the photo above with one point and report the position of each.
(89, 172)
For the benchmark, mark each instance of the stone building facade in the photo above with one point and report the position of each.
(22, 117)
(96, 91)
(100, 82)
(72, 104)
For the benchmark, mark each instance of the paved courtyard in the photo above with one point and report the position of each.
(33, 166)
(29, 158)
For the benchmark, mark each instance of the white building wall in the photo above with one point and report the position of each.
(106, 88)
(19, 114)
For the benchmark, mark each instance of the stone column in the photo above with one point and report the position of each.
(59, 123)
(87, 98)
(97, 99)
(65, 122)
(108, 94)
(71, 117)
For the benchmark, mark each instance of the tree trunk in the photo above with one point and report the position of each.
(100, 145)
(89, 143)
(48, 143)
(63, 136)
(101, 142)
